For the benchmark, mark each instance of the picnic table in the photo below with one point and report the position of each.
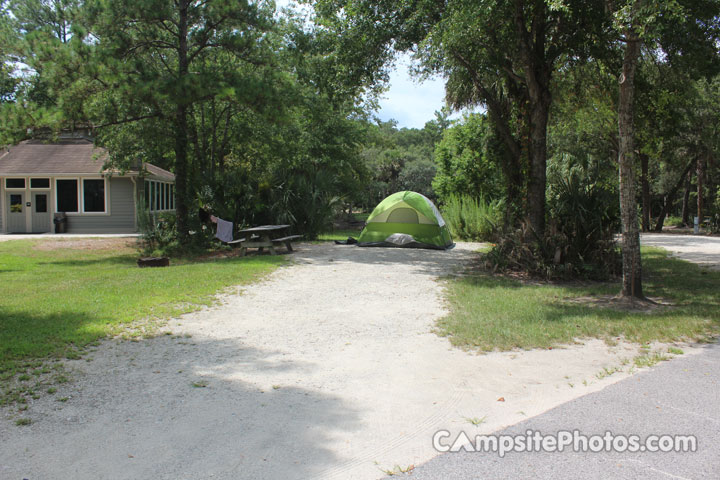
(264, 236)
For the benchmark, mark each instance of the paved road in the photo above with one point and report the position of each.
(681, 397)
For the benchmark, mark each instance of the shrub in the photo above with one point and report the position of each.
(674, 221)
(715, 214)
(579, 241)
(306, 201)
(470, 218)
(159, 236)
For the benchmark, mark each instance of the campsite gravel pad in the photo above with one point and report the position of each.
(327, 369)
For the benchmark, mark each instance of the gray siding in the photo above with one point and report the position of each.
(122, 212)
(2, 205)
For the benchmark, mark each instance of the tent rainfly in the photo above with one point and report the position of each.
(406, 219)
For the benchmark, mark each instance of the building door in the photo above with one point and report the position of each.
(16, 217)
(40, 213)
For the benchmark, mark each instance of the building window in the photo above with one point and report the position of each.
(40, 183)
(66, 195)
(16, 183)
(159, 196)
(16, 204)
(94, 196)
(40, 203)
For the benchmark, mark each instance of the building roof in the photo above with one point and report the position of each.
(154, 171)
(64, 157)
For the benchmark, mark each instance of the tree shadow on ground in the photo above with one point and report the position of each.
(176, 407)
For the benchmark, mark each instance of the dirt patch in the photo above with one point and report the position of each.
(102, 244)
(624, 304)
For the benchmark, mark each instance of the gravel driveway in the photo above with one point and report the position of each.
(327, 369)
(693, 248)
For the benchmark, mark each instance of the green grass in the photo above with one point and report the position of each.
(343, 234)
(498, 313)
(55, 303)
(339, 235)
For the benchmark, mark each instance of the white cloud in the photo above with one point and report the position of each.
(410, 102)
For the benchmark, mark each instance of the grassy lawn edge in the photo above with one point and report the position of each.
(497, 313)
(57, 302)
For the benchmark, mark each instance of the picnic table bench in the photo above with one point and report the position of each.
(286, 241)
(262, 237)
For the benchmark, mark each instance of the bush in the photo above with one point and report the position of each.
(673, 221)
(307, 202)
(159, 235)
(715, 214)
(470, 218)
(579, 241)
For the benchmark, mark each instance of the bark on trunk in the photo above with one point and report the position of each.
(645, 192)
(632, 265)
(181, 131)
(538, 165)
(700, 179)
(686, 201)
(537, 69)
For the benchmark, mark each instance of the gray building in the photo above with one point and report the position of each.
(39, 179)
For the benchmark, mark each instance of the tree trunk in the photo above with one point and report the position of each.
(700, 179)
(670, 197)
(538, 165)
(537, 69)
(631, 261)
(181, 131)
(686, 200)
(645, 192)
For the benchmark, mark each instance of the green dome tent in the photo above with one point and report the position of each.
(406, 219)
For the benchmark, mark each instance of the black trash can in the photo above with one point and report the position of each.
(60, 221)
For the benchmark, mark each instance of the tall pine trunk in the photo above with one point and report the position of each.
(631, 261)
(686, 200)
(181, 130)
(646, 214)
(700, 179)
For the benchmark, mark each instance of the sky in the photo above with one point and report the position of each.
(407, 101)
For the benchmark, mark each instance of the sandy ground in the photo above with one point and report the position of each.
(328, 369)
(693, 248)
(4, 237)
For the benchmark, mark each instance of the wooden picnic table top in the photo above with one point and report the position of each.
(264, 228)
